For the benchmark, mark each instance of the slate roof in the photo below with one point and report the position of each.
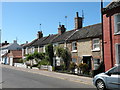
(87, 32)
(63, 37)
(49, 39)
(113, 4)
(39, 41)
(30, 44)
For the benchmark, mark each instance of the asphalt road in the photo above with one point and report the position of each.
(19, 79)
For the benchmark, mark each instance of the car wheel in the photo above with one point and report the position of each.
(100, 85)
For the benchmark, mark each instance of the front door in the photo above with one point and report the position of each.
(87, 60)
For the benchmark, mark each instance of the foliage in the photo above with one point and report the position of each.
(49, 53)
(53, 68)
(83, 67)
(44, 62)
(39, 55)
(64, 54)
(72, 66)
(20, 61)
(63, 67)
(29, 57)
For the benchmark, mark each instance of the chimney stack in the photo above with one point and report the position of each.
(61, 29)
(78, 21)
(15, 41)
(40, 34)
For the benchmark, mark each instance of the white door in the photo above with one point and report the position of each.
(11, 61)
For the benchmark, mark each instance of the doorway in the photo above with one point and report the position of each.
(87, 60)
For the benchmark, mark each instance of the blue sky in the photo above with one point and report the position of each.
(22, 19)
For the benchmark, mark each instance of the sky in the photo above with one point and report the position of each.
(21, 20)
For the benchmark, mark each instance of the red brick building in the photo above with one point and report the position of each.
(111, 30)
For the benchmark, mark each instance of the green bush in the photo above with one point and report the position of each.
(44, 62)
(20, 61)
(83, 67)
(72, 66)
(53, 68)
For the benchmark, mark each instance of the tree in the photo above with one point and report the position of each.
(49, 53)
(38, 56)
(30, 57)
(64, 54)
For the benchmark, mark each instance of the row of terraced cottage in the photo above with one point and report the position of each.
(84, 43)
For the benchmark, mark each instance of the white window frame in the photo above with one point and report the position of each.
(44, 49)
(115, 24)
(32, 50)
(73, 46)
(38, 49)
(55, 44)
(93, 45)
(26, 50)
(117, 55)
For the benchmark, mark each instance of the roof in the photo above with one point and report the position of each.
(87, 32)
(16, 53)
(39, 41)
(113, 4)
(63, 37)
(6, 46)
(30, 44)
(49, 39)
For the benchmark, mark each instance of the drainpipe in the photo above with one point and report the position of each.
(111, 44)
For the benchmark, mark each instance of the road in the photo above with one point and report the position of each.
(19, 79)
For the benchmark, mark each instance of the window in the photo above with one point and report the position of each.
(32, 50)
(117, 23)
(74, 46)
(74, 60)
(96, 44)
(96, 63)
(115, 71)
(44, 49)
(26, 50)
(117, 53)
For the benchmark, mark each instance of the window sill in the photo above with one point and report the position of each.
(118, 33)
(97, 50)
(74, 51)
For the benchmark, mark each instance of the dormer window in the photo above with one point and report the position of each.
(117, 23)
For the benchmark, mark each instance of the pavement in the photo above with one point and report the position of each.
(64, 76)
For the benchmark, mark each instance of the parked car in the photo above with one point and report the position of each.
(108, 80)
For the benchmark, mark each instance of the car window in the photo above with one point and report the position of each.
(115, 70)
